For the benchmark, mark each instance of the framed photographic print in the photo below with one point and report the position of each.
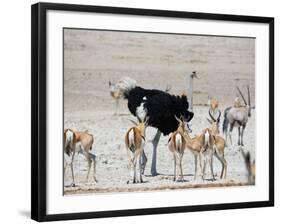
(140, 111)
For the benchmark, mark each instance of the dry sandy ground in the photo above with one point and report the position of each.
(92, 58)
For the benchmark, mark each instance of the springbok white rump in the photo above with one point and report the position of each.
(135, 142)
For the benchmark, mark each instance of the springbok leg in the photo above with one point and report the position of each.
(195, 164)
(89, 167)
(93, 157)
(72, 172)
(140, 169)
(211, 167)
(116, 106)
(155, 144)
(135, 168)
(175, 168)
(182, 179)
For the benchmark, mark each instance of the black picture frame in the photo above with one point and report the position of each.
(39, 107)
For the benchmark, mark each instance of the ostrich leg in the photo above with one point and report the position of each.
(155, 142)
(116, 106)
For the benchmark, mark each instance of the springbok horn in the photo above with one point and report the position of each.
(146, 120)
(135, 123)
(138, 118)
(214, 120)
(168, 88)
(219, 116)
(241, 95)
(179, 120)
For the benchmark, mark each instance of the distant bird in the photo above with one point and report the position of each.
(161, 108)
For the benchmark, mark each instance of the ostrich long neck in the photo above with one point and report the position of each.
(190, 93)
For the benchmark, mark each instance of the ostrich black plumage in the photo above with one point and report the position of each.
(161, 108)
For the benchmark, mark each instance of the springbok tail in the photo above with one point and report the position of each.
(207, 139)
(178, 142)
(225, 120)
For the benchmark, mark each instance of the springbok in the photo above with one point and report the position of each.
(219, 144)
(81, 142)
(237, 117)
(208, 151)
(135, 142)
(214, 106)
(250, 165)
(195, 145)
(177, 145)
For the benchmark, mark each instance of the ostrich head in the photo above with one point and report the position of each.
(122, 87)
(194, 75)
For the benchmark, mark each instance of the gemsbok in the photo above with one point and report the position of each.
(135, 142)
(237, 117)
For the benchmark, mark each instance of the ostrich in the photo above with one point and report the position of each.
(237, 116)
(161, 108)
(117, 90)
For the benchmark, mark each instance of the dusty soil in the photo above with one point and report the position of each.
(92, 58)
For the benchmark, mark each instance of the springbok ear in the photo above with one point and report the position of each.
(182, 118)
(184, 97)
(109, 83)
(135, 123)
